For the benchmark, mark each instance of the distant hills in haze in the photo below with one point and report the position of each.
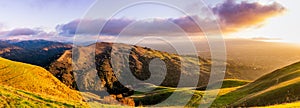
(36, 52)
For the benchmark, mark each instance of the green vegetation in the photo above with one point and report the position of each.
(182, 97)
(280, 86)
(160, 94)
(227, 83)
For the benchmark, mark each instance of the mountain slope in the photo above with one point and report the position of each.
(36, 52)
(34, 79)
(280, 86)
(138, 60)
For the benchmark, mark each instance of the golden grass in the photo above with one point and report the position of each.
(24, 85)
(286, 105)
(11, 97)
(34, 79)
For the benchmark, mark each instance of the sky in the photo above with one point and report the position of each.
(268, 20)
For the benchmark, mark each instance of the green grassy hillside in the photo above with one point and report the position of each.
(227, 83)
(280, 86)
(160, 94)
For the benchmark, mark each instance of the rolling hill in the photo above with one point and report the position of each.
(34, 79)
(279, 87)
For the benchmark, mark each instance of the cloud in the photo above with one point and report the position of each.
(30, 34)
(92, 26)
(20, 31)
(157, 26)
(2, 26)
(265, 39)
(235, 16)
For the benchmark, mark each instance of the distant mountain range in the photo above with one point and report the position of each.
(36, 52)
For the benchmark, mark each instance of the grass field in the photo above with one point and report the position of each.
(280, 86)
(11, 97)
(182, 97)
(185, 96)
(34, 79)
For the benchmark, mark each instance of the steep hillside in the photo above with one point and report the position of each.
(138, 63)
(36, 52)
(62, 70)
(280, 86)
(34, 79)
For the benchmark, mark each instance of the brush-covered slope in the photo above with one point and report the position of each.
(34, 79)
(138, 61)
(280, 86)
(36, 52)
